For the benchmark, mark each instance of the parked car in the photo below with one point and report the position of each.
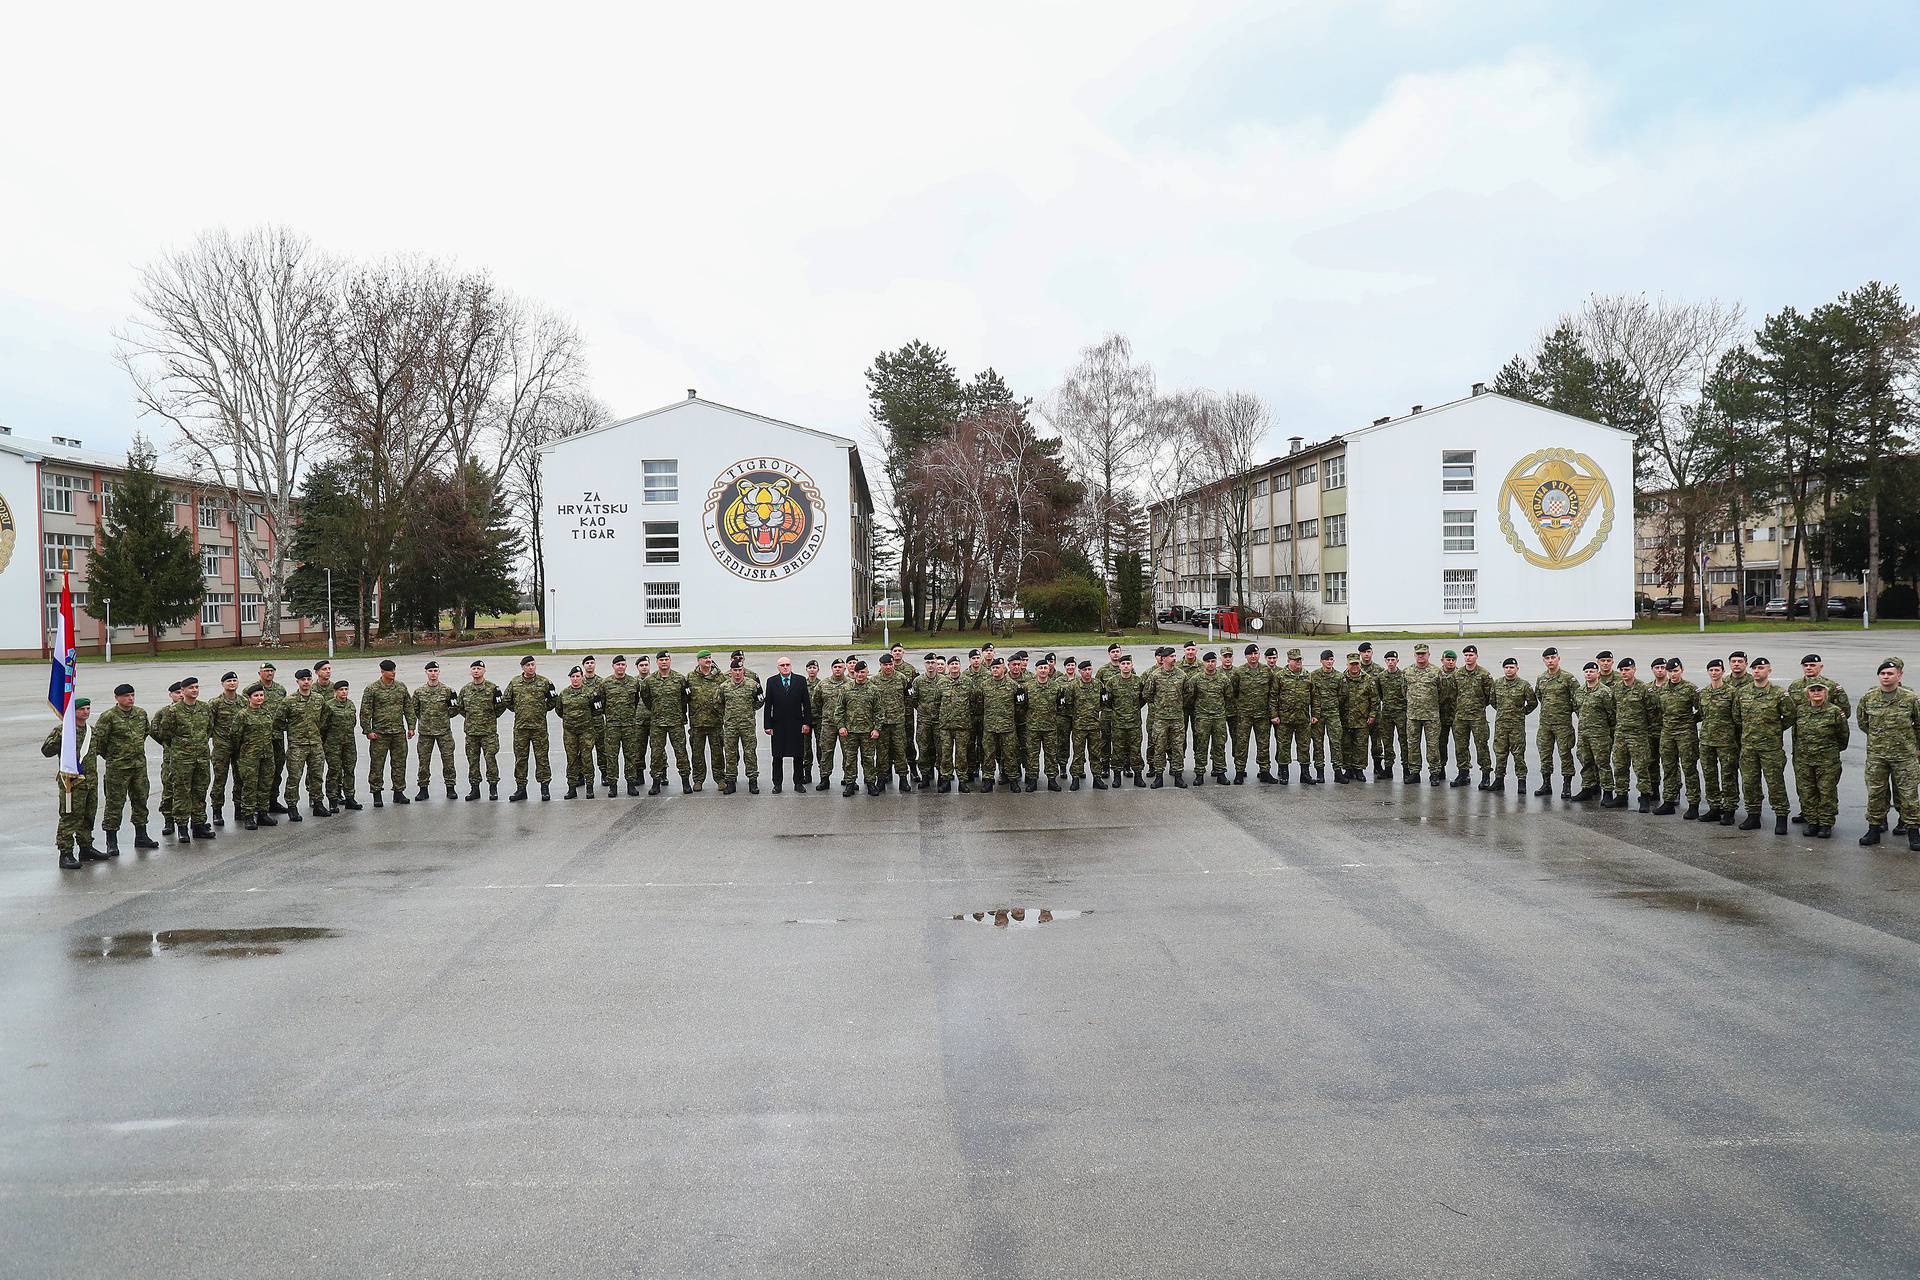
(1843, 607)
(1776, 607)
(1671, 604)
(1644, 603)
(1205, 616)
(1169, 614)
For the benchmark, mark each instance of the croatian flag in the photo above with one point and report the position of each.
(60, 680)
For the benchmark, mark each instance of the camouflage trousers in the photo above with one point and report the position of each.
(703, 744)
(950, 752)
(1552, 739)
(1250, 744)
(577, 745)
(1088, 753)
(187, 788)
(1891, 782)
(1817, 778)
(1167, 746)
(1043, 753)
(125, 784)
(342, 760)
(1291, 743)
(1509, 743)
(1353, 748)
(626, 739)
(1398, 750)
(223, 773)
(1123, 745)
(1632, 758)
(1210, 743)
(1472, 729)
(530, 743)
(999, 755)
(1719, 777)
(1595, 750)
(741, 746)
(1426, 752)
(483, 752)
(659, 737)
(386, 757)
(858, 749)
(77, 808)
(891, 749)
(927, 744)
(255, 779)
(1764, 762)
(826, 739)
(426, 742)
(1680, 764)
(607, 768)
(1326, 738)
(310, 760)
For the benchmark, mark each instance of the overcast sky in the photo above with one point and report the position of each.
(1345, 207)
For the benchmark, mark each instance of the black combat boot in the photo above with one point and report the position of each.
(1799, 819)
(1545, 788)
(1285, 774)
(1435, 779)
(202, 831)
(452, 792)
(726, 788)
(572, 793)
(1342, 776)
(252, 823)
(266, 819)
(1459, 779)
(1606, 799)
(633, 788)
(1779, 824)
(589, 791)
(1053, 784)
(69, 861)
(473, 791)
(1031, 784)
(1751, 822)
(1711, 815)
(1566, 787)
(1075, 784)
(1664, 810)
(943, 783)
(1180, 778)
(378, 803)
(1646, 803)
(1726, 817)
(686, 787)
(293, 813)
(965, 785)
(1099, 782)
(320, 810)
(654, 789)
(181, 835)
(1692, 814)
(1240, 778)
(1158, 780)
(1483, 778)
(113, 844)
(1872, 837)
(166, 828)
(753, 787)
(546, 791)
(219, 818)
(1138, 780)
(1266, 775)
(823, 784)
(421, 794)
(351, 803)
(1913, 837)
(400, 797)
(276, 807)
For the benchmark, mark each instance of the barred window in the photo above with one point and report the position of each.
(660, 480)
(1459, 590)
(662, 604)
(663, 541)
(1456, 530)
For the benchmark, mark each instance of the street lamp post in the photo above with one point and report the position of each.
(108, 602)
(553, 605)
(329, 614)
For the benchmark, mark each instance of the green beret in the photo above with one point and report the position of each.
(1448, 653)
(704, 653)
(82, 702)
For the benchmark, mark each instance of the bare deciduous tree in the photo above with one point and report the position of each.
(1171, 471)
(1229, 440)
(1105, 412)
(228, 345)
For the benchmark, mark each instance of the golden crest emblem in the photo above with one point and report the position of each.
(1560, 495)
(6, 533)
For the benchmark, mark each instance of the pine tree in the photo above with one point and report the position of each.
(142, 566)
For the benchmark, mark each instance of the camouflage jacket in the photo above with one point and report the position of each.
(859, 708)
(1472, 692)
(1292, 696)
(1836, 695)
(1596, 709)
(1211, 691)
(386, 708)
(1359, 699)
(668, 693)
(997, 694)
(1513, 700)
(1423, 691)
(576, 708)
(304, 717)
(1766, 712)
(189, 730)
(433, 707)
(706, 701)
(620, 697)
(1716, 717)
(1634, 707)
(1680, 707)
(480, 704)
(1326, 695)
(955, 703)
(890, 689)
(1166, 693)
(120, 737)
(1554, 694)
(343, 722)
(738, 702)
(1891, 721)
(1819, 734)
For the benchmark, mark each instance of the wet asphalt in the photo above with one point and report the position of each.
(1352, 1031)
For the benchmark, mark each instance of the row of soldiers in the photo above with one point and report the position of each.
(984, 720)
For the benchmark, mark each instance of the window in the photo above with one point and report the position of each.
(1259, 489)
(254, 516)
(1724, 536)
(1283, 482)
(1723, 577)
(1309, 528)
(1336, 531)
(660, 480)
(57, 491)
(209, 514)
(210, 606)
(1262, 583)
(53, 611)
(212, 559)
(1459, 590)
(1336, 588)
(1764, 533)
(1283, 533)
(1309, 583)
(663, 604)
(250, 608)
(52, 544)
(1336, 472)
(1307, 474)
(1283, 583)
(106, 500)
(1456, 471)
(1649, 579)
(1259, 537)
(663, 541)
(1456, 530)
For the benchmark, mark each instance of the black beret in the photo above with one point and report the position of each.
(619, 657)
(386, 664)
(1326, 653)
(1762, 662)
(859, 664)
(1472, 648)
(122, 690)
(476, 665)
(662, 654)
(1253, 649)
(433, 666)
(575, 671)
(886, 659)
(231, 675)
(1714, 664)
(1085, 665)
(527, 661)
(929, 657)
(303, 674)
(339, 684)
(1049, 657)
(1113, 648)
(1510, 662)
(1591, 666)
(1812, 657)
(737, 664)
(1193, 644)
(997, 662)
(1272, 652)
(1604, 653)
(1737, 653)
(1391, 653)
(973, 653)
(1625, 663)
(587, 659)
(1366, 646)
(1659, 662)
(1674, 664)
(1210, 656)
(1549, 652)
(1019, 655)
(813, 664)
(190, 682)
(1888, 665)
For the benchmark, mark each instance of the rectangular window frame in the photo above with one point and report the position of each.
(1459, 591)
(213, 559)
(1336, 473)
(57, 489)
(1308, 474)
(1335, 591)
(1451, 540)
(1457, 468)
(1333, 530)
(209, 513)
(660, 604)
(660, 540)
(1309, 529)
(211, 605)
(659, 481)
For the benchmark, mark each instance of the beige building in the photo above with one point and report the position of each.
(54, 497)
(1753, 560)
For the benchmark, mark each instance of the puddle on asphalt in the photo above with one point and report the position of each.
(1019, 917)
(1705, 904)
(222, 944)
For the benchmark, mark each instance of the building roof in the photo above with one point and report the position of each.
(73, 455)
(1427, 411)
(842, 441)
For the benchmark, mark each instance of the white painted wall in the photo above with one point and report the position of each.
(592, 529)
(22, 586)
(1394, 519)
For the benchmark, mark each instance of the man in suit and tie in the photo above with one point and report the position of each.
(788, 718)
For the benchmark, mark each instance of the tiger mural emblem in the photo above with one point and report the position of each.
(764, 518)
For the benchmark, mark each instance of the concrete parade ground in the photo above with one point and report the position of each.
(1361, 1031)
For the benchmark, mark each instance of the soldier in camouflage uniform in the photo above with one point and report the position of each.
(1424, 684)
(253, 744)
(1395, 751)
(342, 745)
(1656, 727)
(1086, 709)
(1595, 745)
(1764, 713)
(1210, 689)
(623, 731)
(156, 729)
(530, 696)
(1680, 741)
(953, 718)
(1250, 695)
(1102, 677)
(386, 720)
(577, 734)
(78, 793)
(1717, 773)
(1472, 695)
(1022, 680)
(1359, 709)
(1043, 723)
(998, 699)
(1811, 668)
(120, 743)
(926, 693)
(1739, 679)
(226, 710)
(1325, 730)
(1376, 735)
(1820, 734)
(827, 697)
(1126, 695)
(890, 696)
(859, 731)
(433, 708)
(705, 711)
(189, 731)
(1890, 717)
(478, 705)
(1556, 691)
(1166, 692)
(270, 685)
(1513, 700)
(304, 718)
(670, 695)
(1633, 708)
(1449, 695)
(740, 698)
(1292, 715)
(594, 683)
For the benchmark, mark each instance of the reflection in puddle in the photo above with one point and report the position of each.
(226, 944)
(1019, 917)
(1686, 900)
